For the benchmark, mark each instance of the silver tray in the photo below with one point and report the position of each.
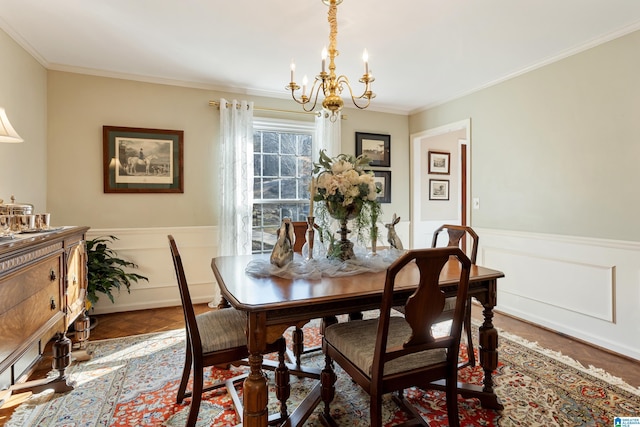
(35, 230)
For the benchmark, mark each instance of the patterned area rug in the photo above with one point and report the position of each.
(133, 381)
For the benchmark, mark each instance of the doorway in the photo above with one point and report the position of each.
(440, 195)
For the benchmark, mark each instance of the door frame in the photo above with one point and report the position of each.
(464, 173)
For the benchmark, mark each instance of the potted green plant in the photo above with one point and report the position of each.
(106, 270)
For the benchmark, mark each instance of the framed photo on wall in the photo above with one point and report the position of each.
(383, 179)
(438, 189)
(374, 146)
(439, 162)
(138, 160)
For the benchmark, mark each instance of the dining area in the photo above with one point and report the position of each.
(394, 300)
(274, 303)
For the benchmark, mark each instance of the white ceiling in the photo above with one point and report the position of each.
(421, 52)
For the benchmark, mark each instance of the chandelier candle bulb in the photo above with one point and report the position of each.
(365, 58)
(293, 69)
(305, 80)
(324, 59)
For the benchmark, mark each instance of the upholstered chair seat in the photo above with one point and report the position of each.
(357, 342)
(222, 329)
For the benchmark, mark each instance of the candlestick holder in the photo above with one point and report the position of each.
(310, 234)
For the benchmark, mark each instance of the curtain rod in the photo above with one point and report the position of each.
(275, 110)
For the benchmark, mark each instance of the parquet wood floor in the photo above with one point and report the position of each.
(117, 325)
(588, 355)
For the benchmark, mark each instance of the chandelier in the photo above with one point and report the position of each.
(327, 82)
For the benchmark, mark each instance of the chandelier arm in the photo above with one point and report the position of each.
(313, 94)
(367, 94)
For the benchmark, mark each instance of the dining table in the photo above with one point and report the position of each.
(274, 303)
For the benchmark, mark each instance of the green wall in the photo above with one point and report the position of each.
(557, 150)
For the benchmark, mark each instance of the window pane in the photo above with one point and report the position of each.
(288, 143)
(270, 142)
(257, 165)
(271, 189)
(269, 238)
(271, 215)
(305, 145)
(303, 187)
(287, 166)
(270, 167)
(257, 142)
(289, 187)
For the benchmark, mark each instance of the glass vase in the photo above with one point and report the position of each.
(343, 248)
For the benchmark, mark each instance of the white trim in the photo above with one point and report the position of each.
(584, 287)
(283, 125)
(579, 240)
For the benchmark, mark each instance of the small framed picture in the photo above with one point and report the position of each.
(374, 146)
(438, 189)
(439, 162)
(383, 180)
(137, 160)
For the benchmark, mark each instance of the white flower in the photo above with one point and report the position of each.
(341, 166)
(342, 179)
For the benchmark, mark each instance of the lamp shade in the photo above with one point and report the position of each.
(7, 132)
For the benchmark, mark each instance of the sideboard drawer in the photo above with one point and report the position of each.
(31, 299)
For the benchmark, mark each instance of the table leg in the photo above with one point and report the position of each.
(488, 349)
(488, 337)
(255, 390)
(297, 338)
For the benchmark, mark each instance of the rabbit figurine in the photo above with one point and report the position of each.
(392, 236)
(282, 253)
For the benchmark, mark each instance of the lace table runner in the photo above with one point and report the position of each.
(321, 266)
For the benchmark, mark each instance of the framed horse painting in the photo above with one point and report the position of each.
(137, 160)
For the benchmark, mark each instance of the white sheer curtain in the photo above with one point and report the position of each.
(235, 162)
(327, 135)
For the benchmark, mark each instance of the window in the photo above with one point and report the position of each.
(282, 167)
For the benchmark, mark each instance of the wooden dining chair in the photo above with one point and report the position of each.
(218, 338)
(392, 353)
(297, 336)
(457, 235)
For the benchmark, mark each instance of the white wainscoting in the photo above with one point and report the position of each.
(149, 248)
(583, 287)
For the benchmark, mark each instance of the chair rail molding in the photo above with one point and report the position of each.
(583, 287)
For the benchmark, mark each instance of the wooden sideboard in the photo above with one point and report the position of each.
(43, 282)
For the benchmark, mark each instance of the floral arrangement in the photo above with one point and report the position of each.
(343, 180)
(349, 192)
